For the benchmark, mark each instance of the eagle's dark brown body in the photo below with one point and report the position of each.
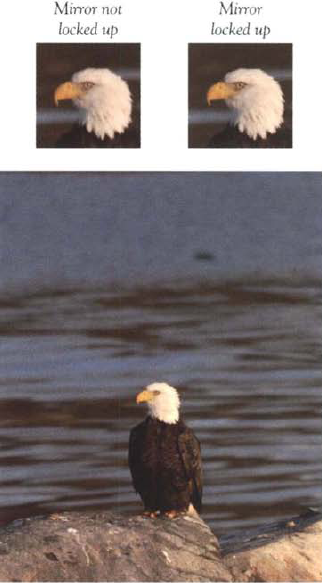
(231, 137)
(79, 137)
(165, 464)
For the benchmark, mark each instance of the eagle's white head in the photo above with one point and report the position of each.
(255, 98)
(163, 402)
(103, 97)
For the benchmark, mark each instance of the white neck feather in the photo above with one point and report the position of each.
(259, 108)
(107, 106)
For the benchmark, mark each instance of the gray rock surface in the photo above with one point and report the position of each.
(102, 546)
(286, 551)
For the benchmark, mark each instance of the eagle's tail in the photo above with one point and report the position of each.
(192, 511)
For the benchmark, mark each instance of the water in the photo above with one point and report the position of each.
(60, 230)
(245, 356)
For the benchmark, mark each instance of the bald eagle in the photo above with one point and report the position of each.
(105, 102)
(257, 105)
(164, 456)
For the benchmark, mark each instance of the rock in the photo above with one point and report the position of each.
(105, 547)
(285, 551)
(101, 546)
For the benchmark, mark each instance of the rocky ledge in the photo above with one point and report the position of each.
(101, 546)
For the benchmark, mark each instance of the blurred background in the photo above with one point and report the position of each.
(209, 281)
(209, 63)
(56, 63)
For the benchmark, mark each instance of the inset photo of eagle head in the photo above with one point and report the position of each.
(240, 96)
(88, 96)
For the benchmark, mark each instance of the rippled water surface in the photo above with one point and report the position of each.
(245, 356)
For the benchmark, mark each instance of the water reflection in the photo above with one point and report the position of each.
(244, 355)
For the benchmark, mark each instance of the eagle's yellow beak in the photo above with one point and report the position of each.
(144, 397)
(68, 90)
(220, 90)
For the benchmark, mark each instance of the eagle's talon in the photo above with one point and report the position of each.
(172, 514)
(150, 514)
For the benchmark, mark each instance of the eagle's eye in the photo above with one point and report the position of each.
(156, 393)
(86, 85)
(239, 85)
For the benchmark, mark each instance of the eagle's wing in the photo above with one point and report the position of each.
(135, 464)
(190, 452)
(133, 456)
